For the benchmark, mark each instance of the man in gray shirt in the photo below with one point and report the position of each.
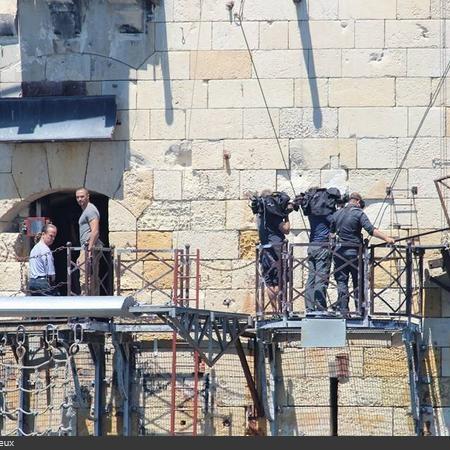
(347, 224)
(89, 224)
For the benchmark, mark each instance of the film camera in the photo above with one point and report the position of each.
(276, 203)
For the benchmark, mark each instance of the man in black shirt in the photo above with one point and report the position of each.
(347, 224)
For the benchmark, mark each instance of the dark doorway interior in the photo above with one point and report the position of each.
(64, 212)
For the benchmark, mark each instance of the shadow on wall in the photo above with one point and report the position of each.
(308, 56)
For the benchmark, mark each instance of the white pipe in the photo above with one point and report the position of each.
(74, 306)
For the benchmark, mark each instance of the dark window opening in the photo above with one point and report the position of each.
(66, 18)
(63, 211)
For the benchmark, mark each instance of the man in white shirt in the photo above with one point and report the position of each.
(41, 270)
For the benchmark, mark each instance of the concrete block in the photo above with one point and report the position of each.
(413, 9)
(221, 65)
(106, 165)
(413, 91)
(258, 124)
(248, 240)
(258, 154)
(389, 362)
(308, 122)
(311, 92)
(321, 34)
(273, 35)
(412, 33)
(238, 215)
(166, 216)
(125, 92)
(212, 244)
(215, 123)
(317, 153)
(255, 181)
(167, 185)
(424, 62)
(6, 151)
(165, 66)
(365, 421)
(362, 92)
(136, 190)
(182, 36)
(370, 148)
(120, 219)
(217, 275)
(71, 66)
(181, 94)
(154, 240)
(67, 162)
(29, 169)
(324, 63)
(247, 93)
(374, 63)
(357, 9)
(369, 33)
(432, 126)
(122, 239)
(208, 215)
(373, 122)
(167, 124)
(210, 185)
(207, 154)
(228, 35)
(280, 64)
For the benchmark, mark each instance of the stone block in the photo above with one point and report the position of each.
(182, 36)
(239, 216)
(409, 9)
(321, 10)
(413, 91)
(273, 35)
(431, 126)
(71, 66)
(369, 149)
(373, 122)
(258, 154)
(226, 415)
(424, 62)
(212, 244)
(67, 162)
(167, 124)
(228, 35)
(102, 68)
(429, 213)
(136, 190)
(272, 11)
(369, 33)
(318, 153)
(357, 9)
(302, 180)
(165, 66)
(215, 124)
(258, 124)
(105, 168)
(164, 154)
(385, 362)
(372, 183)
(362, 92)
(6, 152)
(412, 33)
(255, 181)
(424, 179)
(221, 65)
(159, 274)
(124, 91)
(280, 64)
(243, 275)
(322, 34)
(166, 216)
(210, 185)
(308, 122)
(403, 422)
(154, 240)
(374, 63)
(365, 421)
(421, 154)
(208, 215)
(309, 391)
(120, 218)
(207, 154)
(122, 239)
(304, 421)
(11, 245)
(167, 184)
(247, 93)
(29, 169)
(216, 275)
(248, 240)
(10, 276)
(234, 300)
(312, 92)
(323, 63)
(436, 332)
(165, 94)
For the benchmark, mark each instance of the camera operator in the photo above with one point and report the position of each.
(347, 224)
(272, 210)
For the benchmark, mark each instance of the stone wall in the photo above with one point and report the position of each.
(347, 83)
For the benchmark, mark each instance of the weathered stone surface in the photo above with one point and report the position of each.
(154, 240)
(279, 64)
(6, 151)
(234, 300)
(247, 244)
(222, 65)
(167, 185)
(103, 68)
(362, 92)
(258, 124)
(243, 275)
(300, 179)
(407, 9)
(424, 179)
(324, 63)
(369, 147)
(166, 216)
(311, 92)
(304, 421)
(436, 331)
(369, 34)
(10, 245)
(429, 213)
(207, 155)
(159, 273)
(433, 364)
(421, 154)
(403, 422)
(319, 153)
(374, 63)
(10, 276)
(309, 391)
(215, 123)
(160, 155)
(72, 66)
(210, 185)
(424, 62)
(217, 275)
(208, 215)
(390, 362)
(182, 36)
(167, 124)
(431, 126)
(124, 91)
(212, 244)
(120, 218)
(308, 122)
(255, 181)
(122, 239)
(239, 215)
(268, 11)
(29, 169)
(165, 66)
(67, 163)
(355, 9)
(273, 35)
(132, 124)
(365, 421)
(228, 35)
(412, 33)
(107, 159)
